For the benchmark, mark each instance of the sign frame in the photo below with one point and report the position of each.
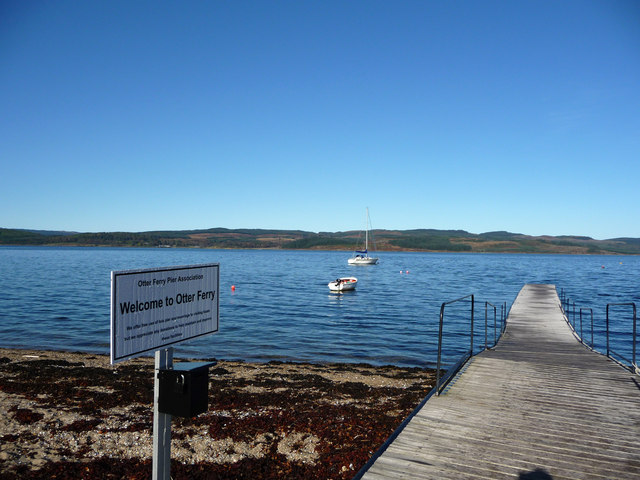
(195, 280)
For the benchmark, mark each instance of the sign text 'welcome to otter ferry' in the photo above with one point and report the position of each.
(153, 309)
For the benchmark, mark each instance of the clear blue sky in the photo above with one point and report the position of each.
(477, 115)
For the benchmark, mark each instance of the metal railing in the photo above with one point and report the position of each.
(442, 381)
(634, 337)
(495, 332)
(569, 309)
(590, 310)
(568, 306)
(464, 357)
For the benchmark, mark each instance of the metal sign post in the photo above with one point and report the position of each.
(161, 422)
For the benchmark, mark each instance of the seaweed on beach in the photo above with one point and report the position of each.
(37, 379)
(82, 418)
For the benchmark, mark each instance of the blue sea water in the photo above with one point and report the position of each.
(281, 308)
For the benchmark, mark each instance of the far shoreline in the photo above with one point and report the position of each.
(346, 252)
(381, 240)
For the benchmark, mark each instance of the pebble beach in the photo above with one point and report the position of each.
(74, 415)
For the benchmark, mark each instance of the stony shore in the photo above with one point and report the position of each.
(73, 415)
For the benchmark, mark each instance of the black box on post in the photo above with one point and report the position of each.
(184, 389)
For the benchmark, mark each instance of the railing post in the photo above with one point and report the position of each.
(495, 324)
(495, 331)
(485, 325)
(635, 331)
(439, 363)
(571, 310)
(581, 335)
(504, 325)
(608, 352)
(592, 344)
(472, 332)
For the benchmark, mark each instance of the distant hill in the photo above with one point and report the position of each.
(385, 240)
(52, 233)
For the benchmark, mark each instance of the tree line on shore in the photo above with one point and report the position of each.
(385, 240)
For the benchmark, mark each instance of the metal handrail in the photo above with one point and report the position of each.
(572, 303)
(634, 339)
(565, 304)
(503, 317)
(441, 382)
(581, 334)
(495, 332)
(450, 372)
(568, 307)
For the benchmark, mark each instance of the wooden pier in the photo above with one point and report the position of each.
(540, 406)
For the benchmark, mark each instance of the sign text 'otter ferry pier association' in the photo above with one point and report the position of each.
(155, 308)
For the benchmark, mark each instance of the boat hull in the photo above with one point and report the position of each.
(343, 284)
(363, 261)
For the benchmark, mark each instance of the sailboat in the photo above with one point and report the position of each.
(361, 257)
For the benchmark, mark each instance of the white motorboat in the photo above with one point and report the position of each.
(361, 257)
(343, 284)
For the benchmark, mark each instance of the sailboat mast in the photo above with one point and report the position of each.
(366, 233)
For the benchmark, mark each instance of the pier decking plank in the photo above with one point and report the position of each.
(539, 406)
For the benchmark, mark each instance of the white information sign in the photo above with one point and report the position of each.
(153, 309)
